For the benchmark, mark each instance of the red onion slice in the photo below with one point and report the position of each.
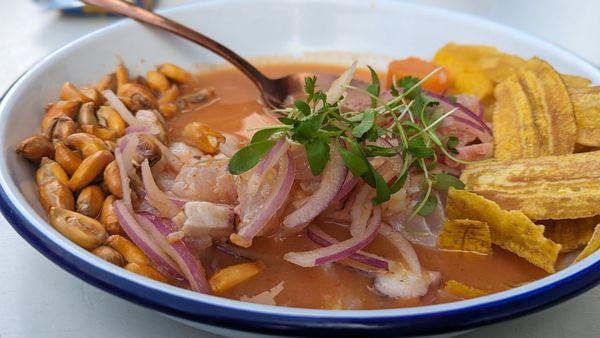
(182, 254)
(346, 188)
(272, 157)
(283, 185)
(124, 158)
(362, 206)
(167, 155)
(480, 124)
(321, 238)
(403, 245)
(142, 128)
(120, 107)
(140, 237)
(332, 180)
(340, 250)
(158, 199)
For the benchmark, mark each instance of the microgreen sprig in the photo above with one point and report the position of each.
(403, 126)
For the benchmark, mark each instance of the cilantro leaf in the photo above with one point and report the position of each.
(266, 133)
(374, 88)
(317, 152)
(368, 120)
(303, 107)
(408, 83)
(356, 163)
(247, 157)
(443, 181)
(428, 206)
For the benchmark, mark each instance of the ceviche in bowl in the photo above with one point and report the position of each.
(444, 188)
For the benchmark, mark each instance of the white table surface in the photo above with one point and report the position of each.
(38, 299)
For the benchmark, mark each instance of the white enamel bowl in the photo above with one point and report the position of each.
(268, 28)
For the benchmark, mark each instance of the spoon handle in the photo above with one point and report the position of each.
(146, 16)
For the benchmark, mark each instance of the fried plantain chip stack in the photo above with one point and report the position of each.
(465, 235)
(586, 102)
(511, 230)
(461, 290)
(533, 115)
(550, 187)
(571, 234)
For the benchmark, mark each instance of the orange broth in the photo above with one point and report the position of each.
(332, 286)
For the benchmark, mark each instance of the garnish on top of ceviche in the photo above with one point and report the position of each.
(467, 175)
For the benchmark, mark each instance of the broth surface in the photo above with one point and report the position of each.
(332, 286)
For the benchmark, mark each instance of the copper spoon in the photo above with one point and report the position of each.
(273, 91)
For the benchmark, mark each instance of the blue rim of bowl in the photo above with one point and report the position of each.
(443, 321)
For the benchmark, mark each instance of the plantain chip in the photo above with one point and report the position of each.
(571, 234)
(461, 290)
(465, 235)
(511, 230)
(549, 187)
(586, 103)
(533, 115)
(592, 245)
(574, 81)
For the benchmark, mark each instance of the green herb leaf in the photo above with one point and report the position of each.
(309, 127)
(381, 187)
(406, 83)
(451, 144)
(373, 150)
(266, 133)
(365, 125)
(419, 149)
(287, 121)
(302, 107)
(356, 163)
(247, 157)
(374, 88)
(428, 207)
(317, 152)
(443, 181)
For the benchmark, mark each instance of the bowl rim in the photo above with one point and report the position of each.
(223, 312)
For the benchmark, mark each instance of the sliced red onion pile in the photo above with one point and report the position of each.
(333, 178)
(340, 250)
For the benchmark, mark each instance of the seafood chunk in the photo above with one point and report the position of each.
(205, 218)
(206, 181)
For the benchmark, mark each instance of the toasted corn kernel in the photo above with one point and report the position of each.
(140, 94)
(60, 108)
(157, 81)
(82, 230)
(89, 169)
(112, 179)
(93, 94)
(175, 73)
(88, 144)
(108, 82)
(122, 75)
(203, 137)
(110, 255)
(55, 194)
(70, 92)
(127, 249)
(108, 217)
(111, 145)
(86, 114)
(169, 95)
(195, 98)
(168, 110)
(50, 170)
(60, 128)
(233, 275)
(147, 271)
(67, 158)
(89, 201)
(34, 148)
(147, 150)
(102, 133)
(132, 105)
(111, 119)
